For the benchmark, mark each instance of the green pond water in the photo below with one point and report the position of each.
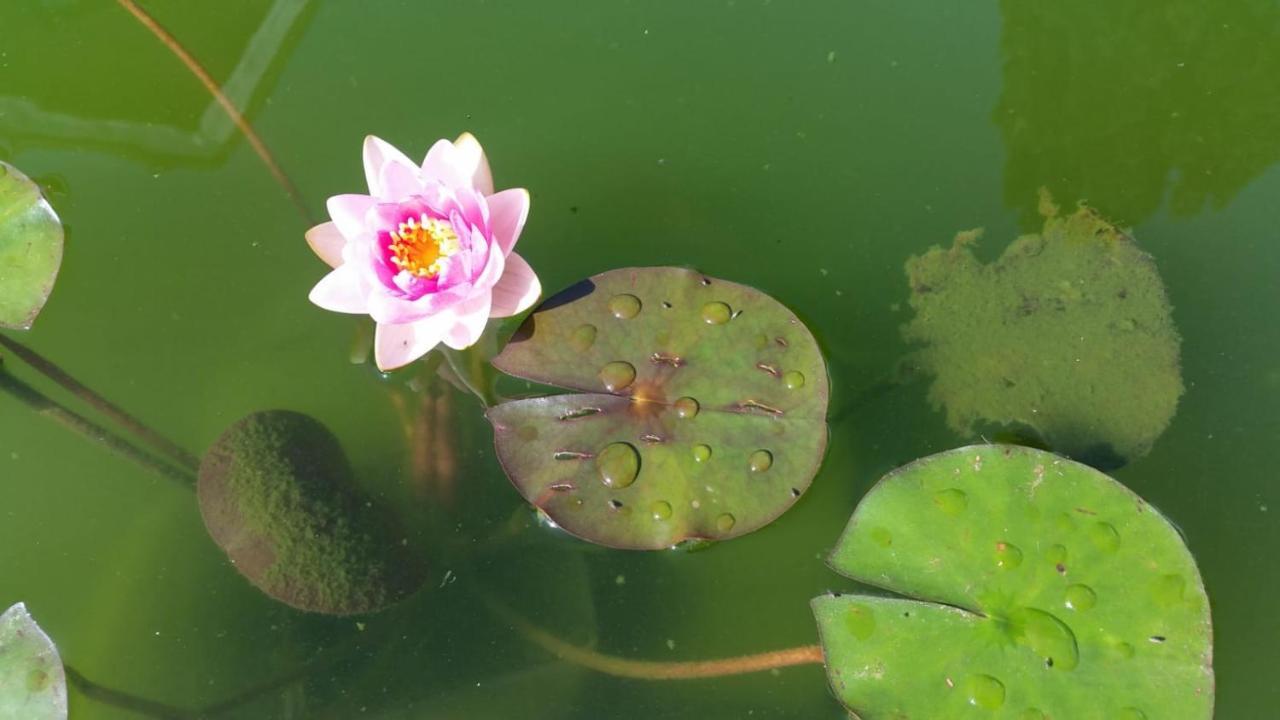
(807, 149)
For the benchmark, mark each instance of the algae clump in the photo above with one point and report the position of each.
(1068, 333)
(277, 496)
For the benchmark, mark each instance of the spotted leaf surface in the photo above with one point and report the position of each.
(30, 249)
(702, 412)
(1044, 590)
(32, 683)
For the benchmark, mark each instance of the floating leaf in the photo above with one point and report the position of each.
(1068, 333)
(30, 249)
(703, 414)
(32, 683)
(277, 496)
(1048, 590)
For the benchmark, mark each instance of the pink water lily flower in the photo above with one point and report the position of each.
(427, 253)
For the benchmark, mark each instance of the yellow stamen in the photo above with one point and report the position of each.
(421, 245)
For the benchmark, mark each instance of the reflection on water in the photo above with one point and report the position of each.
(1121, 103)
(1068, 333)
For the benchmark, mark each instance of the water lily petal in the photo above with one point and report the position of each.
(377, 153)
(349, 213)
(469, 320)
(389, 309)
(472, 161)
(399, 180)
(507, 213)
(327, 242)
(443, 164)
(518, 289)
(340, 291)
(397, 345)
(492, 271)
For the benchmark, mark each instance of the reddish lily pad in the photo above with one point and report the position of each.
(30, 249)
(702, 413)
(33, 684)
(1046, 590)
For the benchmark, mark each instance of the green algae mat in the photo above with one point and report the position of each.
(30, 249)
(33, 685)
(1035, 588)
(1069, 333)
(700, 412)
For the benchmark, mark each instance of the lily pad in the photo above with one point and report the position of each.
(277, 495)
(702, 412)
(30, 249)
(1069, 333)
(33, 685)
(1045, 590)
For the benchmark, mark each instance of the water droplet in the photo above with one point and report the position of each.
(701, 453)
(1056, 555)
(761, 460)
(1008, 555)
(1046, 635)
(1119, 649)
(725, 522)
(617, 375)
(1131, 713)
(527, 433)
(618, 464)
(793, 379)
(881, 536)
(624, 306)
(661, 510)
(686, 407)
(1104, 536)
(951, 501)
(583, 337)
(1032, 714)
(717, 313)
(860, 621)
(1064, 522)
(1168, 589)
(1080, 597)
(984, 691)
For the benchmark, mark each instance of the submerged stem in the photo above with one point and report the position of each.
(658, 670)
(123, 700)
(72, 420)
(50, 370)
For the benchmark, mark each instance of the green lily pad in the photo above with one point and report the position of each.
(702, 413)
(277, 495)
(32, 683)
(30, 249)
(1069, 333)
(1046, 590)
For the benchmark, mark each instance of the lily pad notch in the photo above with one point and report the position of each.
(700, 411)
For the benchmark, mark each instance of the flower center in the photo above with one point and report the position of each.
(421, 244)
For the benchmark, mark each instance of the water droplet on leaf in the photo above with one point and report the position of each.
(686, 407)
(951, 501)
(583, 337)
(618, 464)
(716, 313)
(984, 691)
(624, 306)
(617, 375)
(793, 379)
(701, 453)
(761, 460)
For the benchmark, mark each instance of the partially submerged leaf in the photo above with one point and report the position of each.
(1069, 333)
(33, 685)
(30, 249)
(703, 413)
(1047, 590)
(276, 494)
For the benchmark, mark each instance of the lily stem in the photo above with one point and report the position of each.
(44, 405)
(123, 700)
(109, 409)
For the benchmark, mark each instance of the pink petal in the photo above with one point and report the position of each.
(443, 165)
(398, 345)
(399, 180)
(469, 321)
(349, 212)
(472, 162)
(492, 271)
(377, 153)
(327, 242)
(340, 291)
(507, 213)
(518, 289)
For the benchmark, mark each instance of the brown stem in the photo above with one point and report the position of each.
(123, 700)
(50, 408)
(656, 670)
(50, 370)
(207, 80)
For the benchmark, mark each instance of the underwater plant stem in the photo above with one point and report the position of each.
(50, 370)
(658, 670)
(122, 700)
(211, 85)
(72, 420)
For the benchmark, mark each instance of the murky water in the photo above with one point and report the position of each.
(805, 149)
